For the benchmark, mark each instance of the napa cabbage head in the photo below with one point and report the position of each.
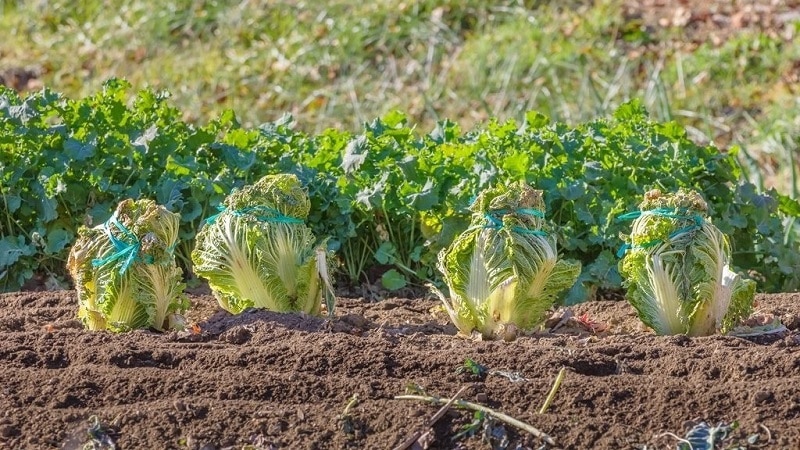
(503, 274)
(259, 253)
(125, 271)
(677, 271)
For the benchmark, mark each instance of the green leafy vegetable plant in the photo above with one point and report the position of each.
(125, 271)
(503, 273)
(258, 252)
(388, 196)
(677, 268)
(473, 369)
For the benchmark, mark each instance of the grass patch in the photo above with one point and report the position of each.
(339, 63)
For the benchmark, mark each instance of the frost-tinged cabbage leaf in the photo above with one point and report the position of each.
(125, 271)
(503, 273)
(259, 253)
(676, 268)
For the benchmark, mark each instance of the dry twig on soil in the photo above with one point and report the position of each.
(418, 436)
(552, 394)
(477, 407)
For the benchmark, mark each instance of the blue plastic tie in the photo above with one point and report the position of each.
(661, 212)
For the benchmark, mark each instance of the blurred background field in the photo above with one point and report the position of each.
(729, 71)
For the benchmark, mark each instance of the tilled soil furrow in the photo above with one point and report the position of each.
(266, 379)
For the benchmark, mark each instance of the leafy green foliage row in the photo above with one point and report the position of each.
(388, 198)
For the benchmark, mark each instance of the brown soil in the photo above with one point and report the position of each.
(263, 380)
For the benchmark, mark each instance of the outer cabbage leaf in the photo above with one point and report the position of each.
(721, 296)
(540, 277)
(477, 274)
(653, 282)
(90, 244)
(120, 306)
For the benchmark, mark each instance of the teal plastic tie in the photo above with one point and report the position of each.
(497, 224)
(531, 212)
(127, 248)
(212, 219)
(262, 213)
(661, 212)
(524, 211)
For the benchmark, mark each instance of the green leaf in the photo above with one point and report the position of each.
(535, 120)
(57, 239)
(99, 213)
(177, 167)
(517, 165)
(631, 111)
(706, 437)
(445, 131)
(584, 215)
(169, 194)
(142, 142)
(426, 198)
(240, 138)
(574, 191)
(228, 118)
(393, 280)
(604, 270)
(12, 248)
(22, 113)
(788, 205)
(13, 202)
(79, 151)
(372, 196)
(47, 209)
(394, 119)
(386, 253)
(593, 171)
